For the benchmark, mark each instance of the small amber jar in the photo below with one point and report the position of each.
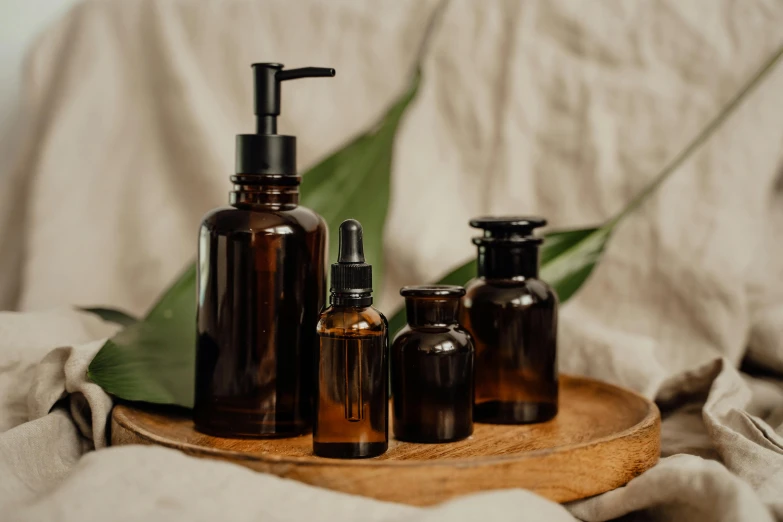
(432, 368)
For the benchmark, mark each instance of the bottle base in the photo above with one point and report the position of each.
(499, 412)
(349, 450)
(420, 440)
(424, 438)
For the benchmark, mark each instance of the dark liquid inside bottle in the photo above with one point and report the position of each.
(512, 316)
(261, 286)
(514, 327)
(432, 370)
(352, 406)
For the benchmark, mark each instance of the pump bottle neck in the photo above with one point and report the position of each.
(266, 191)
(508, 261)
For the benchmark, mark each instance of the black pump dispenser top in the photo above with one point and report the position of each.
(266, 152)
(351, 276)
(508, 249)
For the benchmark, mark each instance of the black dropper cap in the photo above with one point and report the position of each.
(267, 152)
(351, 276)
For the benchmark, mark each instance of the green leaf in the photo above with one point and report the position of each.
(154, 360)
(567, 259)
(461, 274)
(111, 315)
(354, 183)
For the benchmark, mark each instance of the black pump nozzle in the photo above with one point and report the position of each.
(351, 276)
(267, 152)
(267, 91)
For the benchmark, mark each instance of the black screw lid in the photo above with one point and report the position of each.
(501, 229)
(267, 152)
(350, 274)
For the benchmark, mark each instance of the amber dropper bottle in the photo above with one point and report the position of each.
(512, 316)
(352, 407)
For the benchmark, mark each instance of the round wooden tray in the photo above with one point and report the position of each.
(602, 438)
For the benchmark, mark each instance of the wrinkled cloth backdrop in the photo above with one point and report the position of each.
(559, 108)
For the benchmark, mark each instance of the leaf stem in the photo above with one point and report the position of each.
(700, 138)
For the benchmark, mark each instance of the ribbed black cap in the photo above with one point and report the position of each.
(350, 274)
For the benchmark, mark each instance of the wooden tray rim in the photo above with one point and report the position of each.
(649, 421)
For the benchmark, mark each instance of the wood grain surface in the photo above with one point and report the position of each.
(603, 437)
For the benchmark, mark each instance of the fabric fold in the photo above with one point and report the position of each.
(63, 373)
(548, 107)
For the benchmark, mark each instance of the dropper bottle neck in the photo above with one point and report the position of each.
(344, 300)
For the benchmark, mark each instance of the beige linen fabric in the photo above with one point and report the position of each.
(44, 477)
(552, 107)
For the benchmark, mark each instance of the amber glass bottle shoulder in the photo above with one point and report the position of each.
(433, 340)
(256, 219)
(351, 320)
(509, 292)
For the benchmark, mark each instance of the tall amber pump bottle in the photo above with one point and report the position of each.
(261, 285)
(352, 406)
(512, 316)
